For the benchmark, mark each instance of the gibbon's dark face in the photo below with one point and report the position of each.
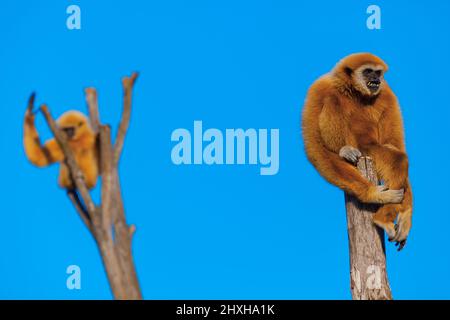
(372, 79)
(74, 124)
(70, 131)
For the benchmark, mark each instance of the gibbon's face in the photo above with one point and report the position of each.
(369, 79)
(74, 124)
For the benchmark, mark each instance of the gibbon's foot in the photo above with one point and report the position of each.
(391, 231)
(402, 228)
(400, 245)
(382, 195)
(350, 154)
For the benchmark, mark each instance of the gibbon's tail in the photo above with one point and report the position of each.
(330, 165)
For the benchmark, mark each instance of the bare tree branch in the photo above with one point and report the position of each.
(82, 212)
(92, 102)
(107, 180)
(127, 84)
(112, 263)
(124, 234)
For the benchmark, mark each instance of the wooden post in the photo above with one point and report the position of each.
(368, 276)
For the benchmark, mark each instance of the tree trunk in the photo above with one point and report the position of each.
(368, 276)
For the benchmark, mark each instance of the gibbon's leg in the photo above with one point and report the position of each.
(404, 220)
(392, 166)
(352, 155)
(386, 215)
(89, 166)
(37, 154)
(65, 180)
(338, 171)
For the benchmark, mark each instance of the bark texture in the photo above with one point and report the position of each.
(368, 275)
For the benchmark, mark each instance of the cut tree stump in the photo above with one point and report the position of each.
(368, 275)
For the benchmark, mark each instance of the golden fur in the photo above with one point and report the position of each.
(342, 116)
(82, 141)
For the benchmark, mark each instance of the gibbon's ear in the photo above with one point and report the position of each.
(348, 71)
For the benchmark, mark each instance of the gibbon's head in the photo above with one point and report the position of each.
(363, 72)
(75, 125)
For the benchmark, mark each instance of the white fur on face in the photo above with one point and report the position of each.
(360, 83)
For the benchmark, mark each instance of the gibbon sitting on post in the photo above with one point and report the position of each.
(352, 112)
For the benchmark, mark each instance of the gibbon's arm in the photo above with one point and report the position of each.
(39, 155)
(336, 170)
(391, 128)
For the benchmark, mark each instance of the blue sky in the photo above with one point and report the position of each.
(217, 232)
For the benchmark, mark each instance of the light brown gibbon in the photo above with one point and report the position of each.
(81, 139)
(352, 112)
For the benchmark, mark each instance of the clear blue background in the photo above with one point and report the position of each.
(217, 231)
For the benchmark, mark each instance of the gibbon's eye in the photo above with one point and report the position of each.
(80, 124)
(367, 71)
(378, 73)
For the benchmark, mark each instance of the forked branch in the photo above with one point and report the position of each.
(108, 217)
(127, 84)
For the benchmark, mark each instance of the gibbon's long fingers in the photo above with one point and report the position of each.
(350, 154)
(31, 104)
(385, 195)
(403, 226)
(401, 245)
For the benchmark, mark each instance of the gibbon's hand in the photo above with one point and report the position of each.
(350, 154)
(384, 195)
(29, 115)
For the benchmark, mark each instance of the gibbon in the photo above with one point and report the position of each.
(82, 142)
(352, 112)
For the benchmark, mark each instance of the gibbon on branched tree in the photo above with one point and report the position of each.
(105, 221)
